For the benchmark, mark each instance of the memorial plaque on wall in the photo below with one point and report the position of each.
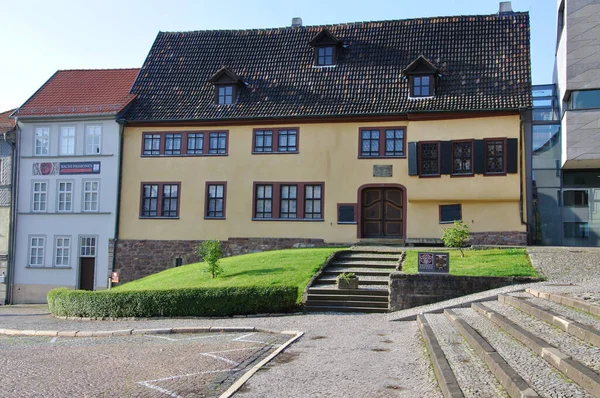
(382, 170)
(434, 262)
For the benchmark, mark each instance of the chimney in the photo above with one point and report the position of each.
(505, 8)
(296, 22)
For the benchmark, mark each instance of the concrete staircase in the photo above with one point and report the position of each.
(372, 266)
(526, 344)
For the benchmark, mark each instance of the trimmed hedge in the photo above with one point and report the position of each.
(203, 302)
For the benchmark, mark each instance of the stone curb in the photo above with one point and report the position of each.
(130, 332)
(242, 380)
(445, 377)
(512, 382)
(566, 300)
(583, 332)
(575, 370)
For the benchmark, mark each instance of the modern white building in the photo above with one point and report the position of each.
(68, 155)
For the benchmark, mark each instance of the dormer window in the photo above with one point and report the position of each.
(325, 56)
(227, 86)
(225, 95)
(421, 86)
(326, 48)
(422, 78)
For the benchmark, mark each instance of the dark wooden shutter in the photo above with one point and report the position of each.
(479, 157)
(413, 166)
(512, 155)
(445, 157)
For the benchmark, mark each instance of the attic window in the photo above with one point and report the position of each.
(423, 77)
(227, 86)
(421, 86)
(326, 47)
(225, 95)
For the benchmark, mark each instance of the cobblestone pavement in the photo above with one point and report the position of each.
(341, 355)
(142, 366)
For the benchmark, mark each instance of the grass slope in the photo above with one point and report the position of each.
(494, 262)
(292, 267)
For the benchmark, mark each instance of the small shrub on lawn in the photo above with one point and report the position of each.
(456, 236)
(211, 251)
(173, 302)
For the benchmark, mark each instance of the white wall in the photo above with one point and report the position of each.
(52, 223)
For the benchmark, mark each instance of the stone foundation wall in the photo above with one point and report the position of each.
(413, 290)
(138, 258)
(510, 238)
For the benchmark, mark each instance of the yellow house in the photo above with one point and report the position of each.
(309, 136)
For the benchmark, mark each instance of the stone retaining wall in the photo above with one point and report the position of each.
(511, 238)
(138, 258)
(413, 290)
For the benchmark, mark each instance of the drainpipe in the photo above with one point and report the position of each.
(526, 147)
(12, 226)
(122, 123)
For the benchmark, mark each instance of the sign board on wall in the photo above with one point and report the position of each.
(434, 262)
(63, 168)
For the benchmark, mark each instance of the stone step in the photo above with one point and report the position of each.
(576, 370)
(354, 292)
(585, 332)
(364, 264)
(358, 271)
(329, 308)
(363, 281)
(370, 256)
(471, 374)
(521, 361)
(346, 297)
(346, 303)
(591, 307)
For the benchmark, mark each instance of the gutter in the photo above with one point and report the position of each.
(12, 224)
(122, 124)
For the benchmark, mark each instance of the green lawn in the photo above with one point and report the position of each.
(494, 262)
(292, 267)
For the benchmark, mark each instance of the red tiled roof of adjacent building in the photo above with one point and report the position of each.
(81, 92)
(6, 124)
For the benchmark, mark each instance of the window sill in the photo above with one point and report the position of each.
(290, 219)
(276, 153)
(381, 157)
(44, 267)
(430, 175)
(448, 222)
(96, 155)
(459, 175)
(158, 218)
(347, 223)
(185, 155)
(503, 173)
(214, 218)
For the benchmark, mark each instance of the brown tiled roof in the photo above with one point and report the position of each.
(484, 62)
(6, 124)
(78, 92)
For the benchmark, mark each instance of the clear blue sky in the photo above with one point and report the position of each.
(39, 37)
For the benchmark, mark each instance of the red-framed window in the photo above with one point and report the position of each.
(185, 143)
(288, 201)
(382, 142)
(462, 157)
(429, 158)
(160, 199)
(495, 155)
(216, 199)
(275, 140)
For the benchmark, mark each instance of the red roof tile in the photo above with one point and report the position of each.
(6, 124)
(79, 92)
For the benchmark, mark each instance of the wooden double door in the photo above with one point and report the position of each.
(382, 213)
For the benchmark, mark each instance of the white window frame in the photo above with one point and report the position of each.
(43, 133)
(93, 139)
(38, 247)
(85, 201)
(68, 138)
(34, 192)
(84, 244)
(67, 193)
(62, 248)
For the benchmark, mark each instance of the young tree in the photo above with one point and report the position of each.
(456, 236)
(211, 252)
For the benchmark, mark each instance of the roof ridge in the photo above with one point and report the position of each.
(341, 23)
(94, 69)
